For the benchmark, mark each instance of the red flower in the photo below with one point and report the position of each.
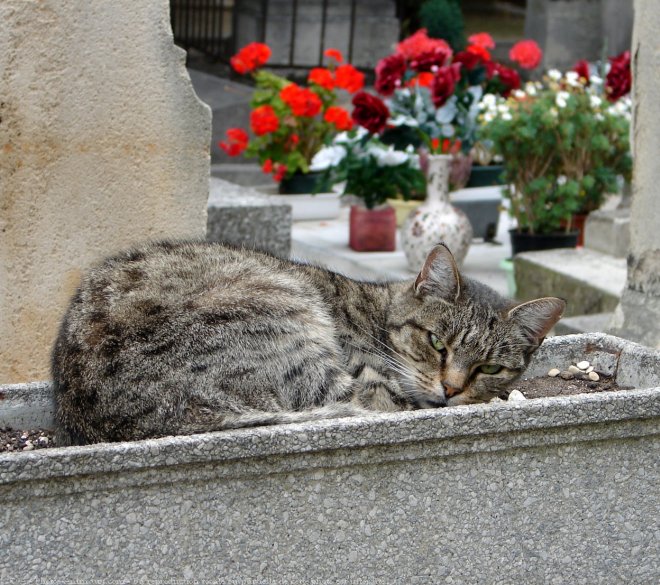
(527, 54)
(482, 40)
(508, 78)
(334, 54)
(279, 173)
(267, 167)
(444, 84)
(321, 76)
(469, 60)
(302, 101)
(250, 57)
(582, 69)
(480, 51)
(419, 43)
(294, 139)
(370, 112)
(431, 59)
(424, 79)
(349, 78)
(339, 117)
(263, 120)
(389, 73)
(446, 147)
(619, 79)
(238, 141)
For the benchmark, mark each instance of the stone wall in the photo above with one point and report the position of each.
(102, 143)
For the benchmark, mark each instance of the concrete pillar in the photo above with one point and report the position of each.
(102, 143)
(638, 315)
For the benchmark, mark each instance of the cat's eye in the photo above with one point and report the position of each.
(436, 343)
(490, 369)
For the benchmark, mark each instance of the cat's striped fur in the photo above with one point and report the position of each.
(182, 337)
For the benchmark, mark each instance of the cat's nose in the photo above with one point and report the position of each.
(450, 390)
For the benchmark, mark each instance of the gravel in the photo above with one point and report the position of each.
(13, 440)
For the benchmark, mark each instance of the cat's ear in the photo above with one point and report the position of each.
(439, 276)
(538, 317)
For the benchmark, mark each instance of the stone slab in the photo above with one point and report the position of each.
(244, 217)
(103, 143)
(590, 282)
(598, 322)
(555, 490)
(608, 231)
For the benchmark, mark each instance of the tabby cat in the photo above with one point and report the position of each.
(188, 337)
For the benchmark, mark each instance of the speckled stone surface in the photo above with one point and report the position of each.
(556, 490)
(244, 217)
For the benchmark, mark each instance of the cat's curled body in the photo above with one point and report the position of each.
(186, 337)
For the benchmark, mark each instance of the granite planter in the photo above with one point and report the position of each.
(556, 490)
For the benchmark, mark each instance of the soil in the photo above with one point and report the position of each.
(545, 386)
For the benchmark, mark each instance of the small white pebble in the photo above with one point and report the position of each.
(516, 396)
(43, 440)
(554, 372)
(583, 365)
(590, 369)
(574, 370)
(28, 447)
(594, 376)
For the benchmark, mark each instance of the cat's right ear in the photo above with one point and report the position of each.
(439, 276)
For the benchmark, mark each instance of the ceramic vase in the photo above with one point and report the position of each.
(436, 220)
(372, 230)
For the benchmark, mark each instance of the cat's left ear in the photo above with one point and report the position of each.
(538, 317)
(439, 276)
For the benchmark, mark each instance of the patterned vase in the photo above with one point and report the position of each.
(436, 220)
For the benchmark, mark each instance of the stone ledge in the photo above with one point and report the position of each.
(591, 282)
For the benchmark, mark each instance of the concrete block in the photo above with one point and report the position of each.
(608, 231)
(524, 492)
(244, 217)
(590, 282)
(598, 322)
(103, 143)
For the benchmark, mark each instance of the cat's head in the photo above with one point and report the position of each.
(456, 341)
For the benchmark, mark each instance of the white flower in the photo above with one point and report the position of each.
(572, 78)
(488, 117)
(489, 100)
(554, 74)
(561, 180)
(595, 80)
(519, 94)
(562, 98)
(599, 116)
(553, 112)
(503, 109)
(327, 157)
(507, 117)
(388, 157)
(596, 102)
(530, 88)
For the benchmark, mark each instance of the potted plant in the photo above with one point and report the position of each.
(373, 172)
(434, 95)
(289, 122)
(564, 147)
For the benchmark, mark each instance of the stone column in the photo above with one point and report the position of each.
(638, 314)
(103, 143)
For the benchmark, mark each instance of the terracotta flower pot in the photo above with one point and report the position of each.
(372, 230)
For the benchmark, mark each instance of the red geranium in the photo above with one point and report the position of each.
(280, 173)
(264, 120)
(334, 54)
(582, 69)
(302, 101)
(267, 167)
(339, 117)
(424, 79)
(349, 78)
(389, 73)
(419, 43)
(444, 84)
(238, 141)
(527, 54)
(321, 76)
(508, 78)
(250, 57)
(370, 112)
(480, 51)
(482, 40)
(619, 79)
(431, 60)
(468, 59)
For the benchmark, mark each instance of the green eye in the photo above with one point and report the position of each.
(436, 343)
(490, 369)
